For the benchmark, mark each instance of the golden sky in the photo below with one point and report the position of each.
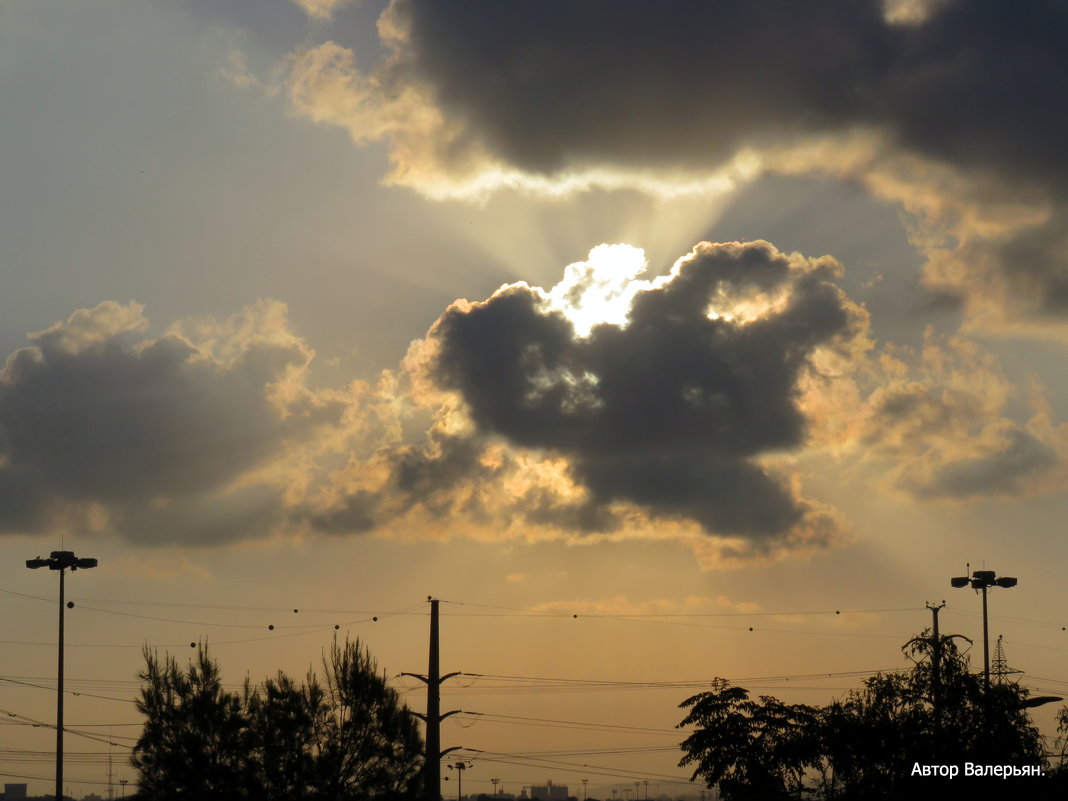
(661, 345)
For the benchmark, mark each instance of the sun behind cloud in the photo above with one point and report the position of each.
(600, 289)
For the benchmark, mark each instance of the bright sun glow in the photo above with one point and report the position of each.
(600, 289)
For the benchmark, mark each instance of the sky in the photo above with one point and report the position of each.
(660, 343)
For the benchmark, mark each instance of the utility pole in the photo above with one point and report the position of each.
(937, 704)
(936, 664)
(433, 716)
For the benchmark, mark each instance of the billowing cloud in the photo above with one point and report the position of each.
(608, 407)
(610, 400)
(152, 437)
(948, 107)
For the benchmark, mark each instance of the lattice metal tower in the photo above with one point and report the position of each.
(999, 669)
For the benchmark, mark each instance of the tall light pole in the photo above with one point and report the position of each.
(982, 580)
(459, 767)
(60, 560)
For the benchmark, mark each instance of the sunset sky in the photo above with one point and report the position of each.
(662, 341)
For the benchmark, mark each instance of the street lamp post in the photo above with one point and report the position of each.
(982, 580)
(459, 767)
(60, 560)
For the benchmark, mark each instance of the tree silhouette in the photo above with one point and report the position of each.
(757, 750)
(282, 720)
(194, 737)
(866, 745)
(368, 742)
(346, 738)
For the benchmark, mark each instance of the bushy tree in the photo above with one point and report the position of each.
(347, 738)
(283, 739)
(865, 745)
(757, 750)
(194, 737)
(368, 743)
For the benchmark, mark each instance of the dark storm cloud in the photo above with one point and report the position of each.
(1035, 264)
(669, 411)
(117, 425)
(149, 430)
(549, 84)
(957, 114)
(978, 84)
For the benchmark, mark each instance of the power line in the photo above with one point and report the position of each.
(574, 767)
(570, 723)
(67, 692)
(42, 724)
(532, 612)
(563, 613)
(48, 778)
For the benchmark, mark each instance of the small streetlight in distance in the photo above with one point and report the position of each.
(982, 580)
(460, 766)
(60, 560)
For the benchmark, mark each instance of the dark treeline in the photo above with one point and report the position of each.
(897, 737)
(346, 736)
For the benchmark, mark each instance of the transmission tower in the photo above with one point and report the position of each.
(999, 669)
(433, 717)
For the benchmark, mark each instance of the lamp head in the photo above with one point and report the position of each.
(1006, 582)
(958, 582)
(984, 576)
(61, 560)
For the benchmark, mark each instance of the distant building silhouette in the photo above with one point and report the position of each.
(14, 791)
(550, 792)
